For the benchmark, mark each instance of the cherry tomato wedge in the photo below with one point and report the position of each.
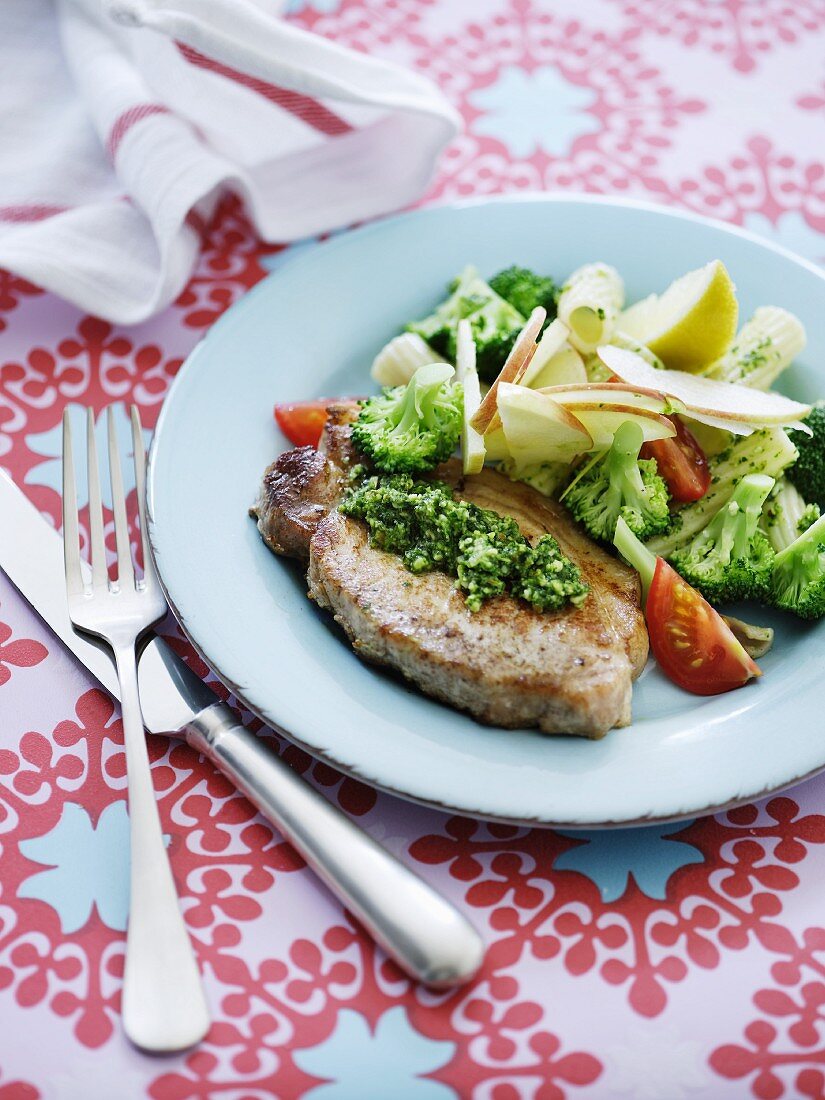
(681, 463)
(693, 644)
(303, 421)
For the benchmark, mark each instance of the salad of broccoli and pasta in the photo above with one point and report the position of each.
(655, 423)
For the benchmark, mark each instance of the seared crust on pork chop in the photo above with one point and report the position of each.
(567, 671)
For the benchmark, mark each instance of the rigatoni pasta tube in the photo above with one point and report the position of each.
(763, 348)
(589, 304)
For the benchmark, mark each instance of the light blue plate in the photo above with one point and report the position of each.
(312, 329)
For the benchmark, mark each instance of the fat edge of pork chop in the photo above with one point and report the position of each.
(569, 671)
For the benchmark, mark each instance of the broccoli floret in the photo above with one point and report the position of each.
(429, 529)
(492, 351)
(731, 559)
(409, 429)
(765, 452)
(545, 477)
(621, 484)
(525, 290)
(786, 515)
(494, 322)
(808, 472)
(798, 580)
(808, 518)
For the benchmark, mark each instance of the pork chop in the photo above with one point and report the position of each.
(568, 671)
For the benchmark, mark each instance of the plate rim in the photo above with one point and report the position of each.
(341, 239)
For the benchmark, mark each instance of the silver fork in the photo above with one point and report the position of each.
(164, 1008)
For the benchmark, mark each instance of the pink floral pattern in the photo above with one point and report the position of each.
(18, 652)
(81, 763)
(12, 290)
(778, 1050)
(741, 31)
(636, 942)
(813, 101)
(17, 1090)
(759, 180)
(710, 931)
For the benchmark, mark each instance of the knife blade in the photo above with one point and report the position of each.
(418, 928)
(31, 555)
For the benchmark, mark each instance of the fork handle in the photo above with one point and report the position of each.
(164, 1008)
(421, 930)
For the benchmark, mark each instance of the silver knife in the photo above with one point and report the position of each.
(426, 936)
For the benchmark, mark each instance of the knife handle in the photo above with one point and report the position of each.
(419, 929)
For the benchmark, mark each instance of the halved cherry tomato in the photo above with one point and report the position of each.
(693, 644)
(303, 421)
(681, 463)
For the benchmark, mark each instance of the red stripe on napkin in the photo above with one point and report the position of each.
(305, 108)
(127, 120)
(29, 212)
(197, 222)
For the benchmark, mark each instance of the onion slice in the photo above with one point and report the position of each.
(602, 421)
(611, 393)
(537, 429)
(553, 339)
(472, 442)
(706, 399)
(485, 418)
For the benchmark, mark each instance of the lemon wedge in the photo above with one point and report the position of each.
(692, 323)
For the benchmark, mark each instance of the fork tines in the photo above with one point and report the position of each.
(97, 546)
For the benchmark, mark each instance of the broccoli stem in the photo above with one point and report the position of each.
(731, 558)
(734, 525)
(417, 404)
(626, 484)
(765, 452)
(414, 427)
(616, 483)
(799, 574)
(785, 515)
(802, 545)
(635, 553)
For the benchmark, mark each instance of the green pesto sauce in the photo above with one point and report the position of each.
(423, 523)
(756, 357)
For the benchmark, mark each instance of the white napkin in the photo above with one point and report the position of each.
(122, 121)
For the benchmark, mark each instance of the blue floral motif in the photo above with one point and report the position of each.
(790, 231)
(88, 867)
(361, 1065)
(538, 109)
(50, 445)
(611, 856)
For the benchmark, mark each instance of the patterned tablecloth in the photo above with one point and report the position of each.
(668, 962)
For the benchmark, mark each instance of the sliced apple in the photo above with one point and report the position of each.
(517, 362)
(472, 442)
(601, 421)
(731, 427)
(566, 368)
(537, 429)
(550, 344)
(495, 445)
(611, 393)
(706, 399)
